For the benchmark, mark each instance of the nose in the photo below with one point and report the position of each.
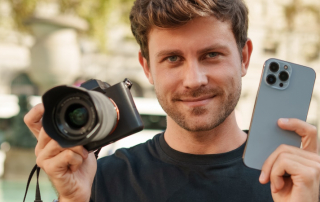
(194, 76)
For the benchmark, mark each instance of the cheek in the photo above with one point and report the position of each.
(227, 77)
(165, 78)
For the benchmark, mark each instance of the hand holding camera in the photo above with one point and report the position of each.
(71, 170)
(72, 121)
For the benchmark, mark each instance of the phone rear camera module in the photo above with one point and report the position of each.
(284, 76)
(274, 67)
(271, 79)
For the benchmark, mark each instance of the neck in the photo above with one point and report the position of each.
(223, 138)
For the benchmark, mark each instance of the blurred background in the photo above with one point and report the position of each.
(44, 43)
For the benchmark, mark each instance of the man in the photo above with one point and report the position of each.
(194, 52)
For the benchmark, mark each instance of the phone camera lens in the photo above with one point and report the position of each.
(283, 76)
(271, 79)
(274, 67)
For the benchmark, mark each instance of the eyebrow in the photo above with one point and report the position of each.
(169, 52)
(213, 48)
(199, 52)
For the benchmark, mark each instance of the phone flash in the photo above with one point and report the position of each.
(285, 67)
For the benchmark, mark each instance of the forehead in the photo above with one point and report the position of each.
(196, 34)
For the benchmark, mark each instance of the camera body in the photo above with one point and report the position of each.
(107, 111)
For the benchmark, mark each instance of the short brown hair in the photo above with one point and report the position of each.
(173, 13)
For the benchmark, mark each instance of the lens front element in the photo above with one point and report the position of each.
(76, 116)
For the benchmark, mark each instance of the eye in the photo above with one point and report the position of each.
(173, 58)
(212, 55)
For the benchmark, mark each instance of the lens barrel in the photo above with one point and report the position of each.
(76, 116)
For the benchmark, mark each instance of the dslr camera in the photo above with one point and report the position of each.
(93, 115)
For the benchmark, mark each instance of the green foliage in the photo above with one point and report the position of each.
(292, 10)
(21, 10)
(98, 13)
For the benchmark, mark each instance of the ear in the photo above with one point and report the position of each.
(144, 63)
(246, 55)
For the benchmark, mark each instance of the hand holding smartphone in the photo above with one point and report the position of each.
(285, 92)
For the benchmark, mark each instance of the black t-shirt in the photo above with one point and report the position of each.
(153, 171)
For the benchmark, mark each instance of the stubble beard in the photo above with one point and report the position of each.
(228, 104)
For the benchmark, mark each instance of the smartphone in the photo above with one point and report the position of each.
(285, 91)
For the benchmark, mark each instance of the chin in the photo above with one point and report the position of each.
(200, 125)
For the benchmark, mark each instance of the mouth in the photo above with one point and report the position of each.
(198, 101)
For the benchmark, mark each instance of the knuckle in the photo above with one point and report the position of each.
(283, 147)
(313, 130)
(69, 154)
(26, 119)
(284, 161)
(283, 157)
(78, 149)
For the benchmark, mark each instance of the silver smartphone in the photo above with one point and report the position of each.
(285, 92)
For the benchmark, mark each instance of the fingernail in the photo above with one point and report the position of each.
(283, 120)
(262, 176)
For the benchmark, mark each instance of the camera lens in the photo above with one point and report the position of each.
(283, 76)
(274, 67)
(271, 79)
(76, 116)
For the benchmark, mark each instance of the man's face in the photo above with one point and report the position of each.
(196, 70)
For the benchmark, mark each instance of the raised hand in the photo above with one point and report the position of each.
(302, 165)
(71, 170)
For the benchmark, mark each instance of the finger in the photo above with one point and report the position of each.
(53, 148)
(66, 160)
(301, 170)
(294, 165)
(33, 119)
(307, 132)
(267, 166)
(43, 140)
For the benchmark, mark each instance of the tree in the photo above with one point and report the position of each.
(98, 13)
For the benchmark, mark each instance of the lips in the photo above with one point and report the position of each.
(198, 101)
